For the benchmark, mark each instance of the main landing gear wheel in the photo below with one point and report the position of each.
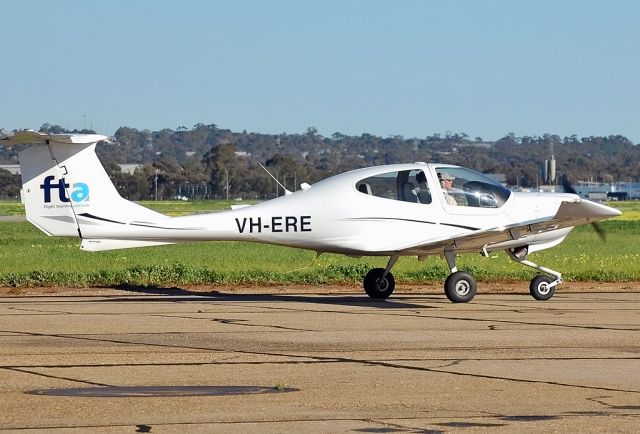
(540, 289)
(460, 287)
(378, 287)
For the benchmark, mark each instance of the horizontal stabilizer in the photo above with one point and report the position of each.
(234, 207)
(34, 137)
(98, 245)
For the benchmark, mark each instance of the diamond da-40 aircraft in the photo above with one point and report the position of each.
(417, 209)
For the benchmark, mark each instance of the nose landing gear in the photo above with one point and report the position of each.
(542, 287)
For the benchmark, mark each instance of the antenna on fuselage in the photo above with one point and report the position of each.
(286, 192)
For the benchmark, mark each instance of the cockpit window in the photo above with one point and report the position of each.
(466, 187)
(405, 185)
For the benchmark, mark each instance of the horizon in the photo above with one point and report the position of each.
(446, 134)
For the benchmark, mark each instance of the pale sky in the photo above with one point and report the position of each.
(411, 68)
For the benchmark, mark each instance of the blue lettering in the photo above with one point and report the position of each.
(62, 190)
(46, 186)
(79, 194)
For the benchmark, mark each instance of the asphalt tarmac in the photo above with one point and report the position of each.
(320, 363)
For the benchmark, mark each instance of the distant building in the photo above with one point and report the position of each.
(608, 191)
(478, 144)
(188, 191)
(13, 168)
(545, 188)
(597, 196)
(549, 171)
(129, 168)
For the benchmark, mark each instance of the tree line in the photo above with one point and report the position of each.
(206, 161)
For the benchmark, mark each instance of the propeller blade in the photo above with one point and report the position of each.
(567, 186)
(600, 231)
(596, 226)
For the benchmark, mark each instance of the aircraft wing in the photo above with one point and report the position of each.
(569, 214)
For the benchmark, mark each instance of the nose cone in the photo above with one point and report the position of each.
(609, 211)
(586, 209)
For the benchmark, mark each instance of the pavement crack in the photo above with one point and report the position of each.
(239, 322)
(391, 427)
(56, 377)
(518, 380)
(601, 400)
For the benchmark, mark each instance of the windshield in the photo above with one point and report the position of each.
(466, 187)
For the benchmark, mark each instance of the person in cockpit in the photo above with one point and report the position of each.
(446, 182)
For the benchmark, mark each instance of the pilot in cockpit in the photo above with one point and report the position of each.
(446, 182)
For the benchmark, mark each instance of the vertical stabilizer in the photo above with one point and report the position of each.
(65, 189)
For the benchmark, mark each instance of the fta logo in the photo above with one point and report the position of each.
(78, 192)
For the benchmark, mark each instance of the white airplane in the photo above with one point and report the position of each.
(416, 209)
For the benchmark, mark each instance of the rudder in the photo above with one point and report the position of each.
(66, 191)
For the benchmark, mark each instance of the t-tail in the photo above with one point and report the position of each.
(67, 192)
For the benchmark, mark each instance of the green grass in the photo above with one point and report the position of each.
(630, 209)
(29, 258)
(11, 208)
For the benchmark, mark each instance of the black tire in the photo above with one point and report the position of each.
(460, 287)
(539, 287)
(377, 287)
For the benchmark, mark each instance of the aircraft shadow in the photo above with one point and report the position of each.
(181, 294)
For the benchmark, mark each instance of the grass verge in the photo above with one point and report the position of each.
(29, 258)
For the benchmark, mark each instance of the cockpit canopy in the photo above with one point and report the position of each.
(403, 185)
(471, 188)
(468, 187)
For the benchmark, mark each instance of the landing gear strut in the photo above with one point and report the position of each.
(379, 282)
(543, 286)
(460, 287)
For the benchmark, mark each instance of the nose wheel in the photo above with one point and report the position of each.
(541, 288)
